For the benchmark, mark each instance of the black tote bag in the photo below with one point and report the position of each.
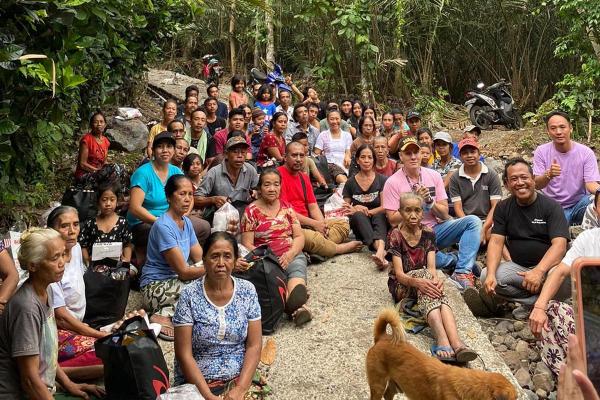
(270, 282)
(134, 365)
(84, 200)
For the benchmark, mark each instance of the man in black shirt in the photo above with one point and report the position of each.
(535, 231)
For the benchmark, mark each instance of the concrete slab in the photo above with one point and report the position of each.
(325, 359)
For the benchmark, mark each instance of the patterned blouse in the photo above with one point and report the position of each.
(452, 165)
(218, 333)
(274, 231)
(90, 234)
(413, 257)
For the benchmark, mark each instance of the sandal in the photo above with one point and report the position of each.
(465, 354)
(167, 331)
(302, 316)
(435, 349)
(296, 299)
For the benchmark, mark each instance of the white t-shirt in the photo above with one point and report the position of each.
(587, 244)
(70, 290)
(334, 149)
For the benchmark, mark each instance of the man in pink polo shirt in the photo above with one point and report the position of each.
(564, 170)
(428, 184)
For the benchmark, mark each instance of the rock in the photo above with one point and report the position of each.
(534, 355)
(522, 348)
(541, 394)
(543, 378)
(512, 359)
(542, 368)
(503, 327)
(523, 378)
(518, 326)
(497, 340)
(526, 334)
(127, 135)
(552, 396)
(530, 394)
(501, 348)
(495, 164)
(510, 342)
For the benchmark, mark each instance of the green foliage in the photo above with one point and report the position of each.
(93, 47)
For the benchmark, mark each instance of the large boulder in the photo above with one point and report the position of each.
(127, 135)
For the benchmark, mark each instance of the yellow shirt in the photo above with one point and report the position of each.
(155, 130)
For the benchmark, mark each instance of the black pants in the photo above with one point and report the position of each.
(368, 229)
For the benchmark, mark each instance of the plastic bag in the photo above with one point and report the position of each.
(183, 392)
(335, 207)
(226, 218)
(128, 113)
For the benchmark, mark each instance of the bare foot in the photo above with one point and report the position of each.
(349, 247)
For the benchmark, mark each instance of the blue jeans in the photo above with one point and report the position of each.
(466, 232)
(574, 214)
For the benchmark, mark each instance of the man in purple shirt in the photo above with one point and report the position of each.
(564, 170)
(428, 184)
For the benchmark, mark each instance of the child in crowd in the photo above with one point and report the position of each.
(310, 168)
(266, 102)
(237, 97)
(413, 275)
(257, 129)
(425, 154)
(107, 227)
(193, 169)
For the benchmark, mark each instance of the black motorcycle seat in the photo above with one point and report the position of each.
(258, 75)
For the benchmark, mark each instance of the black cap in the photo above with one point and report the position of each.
(164, 136)
(413, 114)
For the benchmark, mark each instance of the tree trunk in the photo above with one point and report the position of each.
(256, 40)
(232, 53)
(270, 34)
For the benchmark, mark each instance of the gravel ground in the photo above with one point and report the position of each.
(325, 358)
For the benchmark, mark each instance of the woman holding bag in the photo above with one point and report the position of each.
(268, 221)
(217, 326)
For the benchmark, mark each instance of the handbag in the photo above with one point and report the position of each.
(134, 365)
(84, 200)
(107, 284)
(270, 282)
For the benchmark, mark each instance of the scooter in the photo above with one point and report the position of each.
(274, 78)
(493, 105)
(212, 71)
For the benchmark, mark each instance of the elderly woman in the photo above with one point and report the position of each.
(148, 200)
(273, 144)
(76, 339)
(28, 336)
(93, 152)
(9, 276)
(363, 196)
(217, 326)
(268, 221)
(171, 243)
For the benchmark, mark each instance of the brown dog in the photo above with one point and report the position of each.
(395, 366)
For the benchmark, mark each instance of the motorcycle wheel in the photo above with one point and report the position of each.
(479, 117)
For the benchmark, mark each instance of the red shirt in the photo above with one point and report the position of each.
(389, 168)
(270, 140)
(220, 138)
(276, 232)
(97, 152)
(292, 192)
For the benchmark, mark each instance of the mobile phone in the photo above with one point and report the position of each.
(585, 280)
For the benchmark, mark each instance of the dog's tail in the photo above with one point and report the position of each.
(389, 316)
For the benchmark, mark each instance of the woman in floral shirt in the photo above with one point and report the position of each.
(268, 221)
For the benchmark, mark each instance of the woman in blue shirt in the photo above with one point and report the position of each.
(218, 326)
(171, 243)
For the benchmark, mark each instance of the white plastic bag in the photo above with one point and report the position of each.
(128, 113)
(335, 207)
(225, 217)
(183, 392)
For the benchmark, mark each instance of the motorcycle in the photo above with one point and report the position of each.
(493, 105)
(274, 78)
(212, 71)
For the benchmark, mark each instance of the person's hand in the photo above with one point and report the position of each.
(285, 259)
(439, 284)
(218, 201)
(83, 390)
(288, 80)
(483, 237)
(233, 226)
(554, 170)
(423, 192)
(532, 280)
(236, 393)
(361, 209)
(490, 285)
(538, 320)
(573, 384)
(428, 288)
(141, 312)
(320, 226)
(347, 161)
(241, 264)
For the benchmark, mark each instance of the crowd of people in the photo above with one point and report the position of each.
(419, 201)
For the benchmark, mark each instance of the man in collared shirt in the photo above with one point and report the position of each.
(232, 180)
(475, 189)
(302, 125)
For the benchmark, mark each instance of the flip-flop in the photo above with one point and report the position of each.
(465, 354)
(434, 350)
(296, 299)
(302, 316)
(164, 335)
